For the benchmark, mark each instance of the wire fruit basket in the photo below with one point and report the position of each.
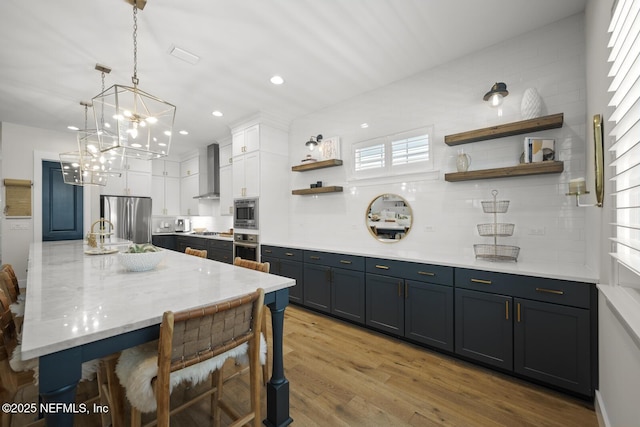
(496, 252)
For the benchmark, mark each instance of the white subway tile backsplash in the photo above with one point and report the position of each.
(449, 97)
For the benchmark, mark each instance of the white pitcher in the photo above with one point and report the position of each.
(463, 161)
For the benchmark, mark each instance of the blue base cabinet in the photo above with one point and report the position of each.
(484, 329)
(541, 329)
(285, 262)
(551, 344)
(334, 283)
(164, 241)
(411, 300)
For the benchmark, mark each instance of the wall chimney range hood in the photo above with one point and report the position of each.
(212, 174)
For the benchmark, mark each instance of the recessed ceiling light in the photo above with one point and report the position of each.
(364, 125)
(217, 113)
(184, 132)
(277, 80)
(73, 128)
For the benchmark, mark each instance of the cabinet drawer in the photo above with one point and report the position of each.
(280, 252)
(349, 262)
(411, 270)
(564, 292)
(220, 244)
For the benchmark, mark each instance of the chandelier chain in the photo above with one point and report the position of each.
(135, 44)
(102, 105)
(86, 110)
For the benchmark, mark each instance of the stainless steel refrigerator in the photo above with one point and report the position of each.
(130, 216)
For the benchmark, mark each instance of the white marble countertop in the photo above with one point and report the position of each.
(573, 272)
(74, 298)
(192, 234)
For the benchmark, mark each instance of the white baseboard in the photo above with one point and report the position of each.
(601, 413)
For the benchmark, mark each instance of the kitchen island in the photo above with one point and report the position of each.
(81, 307)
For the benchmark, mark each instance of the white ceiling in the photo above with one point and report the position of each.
(326, 50)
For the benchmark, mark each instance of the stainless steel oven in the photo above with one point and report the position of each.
(245, 246)
(245, 214)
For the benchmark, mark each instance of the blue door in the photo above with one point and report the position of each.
(61, 205)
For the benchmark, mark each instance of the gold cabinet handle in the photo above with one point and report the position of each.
(426, 273)
(382, 267)
(518, 310)
(484, 282)
(506, 310)
(314, 257)
(344, 261)
(290, 254)
(550, 291)
(399, 288)
(406, 291)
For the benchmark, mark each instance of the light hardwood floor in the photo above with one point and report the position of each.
(344, 375)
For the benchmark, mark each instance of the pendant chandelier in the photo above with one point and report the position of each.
(133, 123)
(87, 166)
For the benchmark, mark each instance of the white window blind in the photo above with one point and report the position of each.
(398, 154)
(625, 86)
(410, 150)
(369, 157)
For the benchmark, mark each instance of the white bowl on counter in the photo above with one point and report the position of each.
(143, 261)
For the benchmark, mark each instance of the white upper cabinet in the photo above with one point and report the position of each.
(246, 140)
(226, 191)
(246, 175)
(226, 155)
(190, 167)
(161, 167)
(134, 179)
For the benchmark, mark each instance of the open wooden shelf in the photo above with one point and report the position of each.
(523, 169)
(319, 190)
(316, 165)
(553, 121)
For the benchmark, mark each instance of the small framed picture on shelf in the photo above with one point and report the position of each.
(538, 149)
(330, 148)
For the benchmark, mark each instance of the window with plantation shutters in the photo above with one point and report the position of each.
(625, 88)
(369, 157)
(410, 150)
(401, 153)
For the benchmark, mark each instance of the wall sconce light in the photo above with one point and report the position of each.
(313, 142)
(496, 94)
(578, 186)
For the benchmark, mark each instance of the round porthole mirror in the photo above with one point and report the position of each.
(389, 218)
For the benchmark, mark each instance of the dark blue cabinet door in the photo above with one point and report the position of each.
(166, 242)
(484, 327)
(61, 205)
(385, 303)
(429, 314)
(347, 294)
(317, 287)
(551, 344)
(292, 270)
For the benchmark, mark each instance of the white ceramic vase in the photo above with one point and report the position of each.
(531, 106)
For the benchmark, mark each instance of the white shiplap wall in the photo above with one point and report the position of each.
(550, 59)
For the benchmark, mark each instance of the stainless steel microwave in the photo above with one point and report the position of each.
(245, 214)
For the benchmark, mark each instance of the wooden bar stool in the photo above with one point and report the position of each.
(263, 267)
(193, 346)
(16, 304)
(196, 252)
(15, 373)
